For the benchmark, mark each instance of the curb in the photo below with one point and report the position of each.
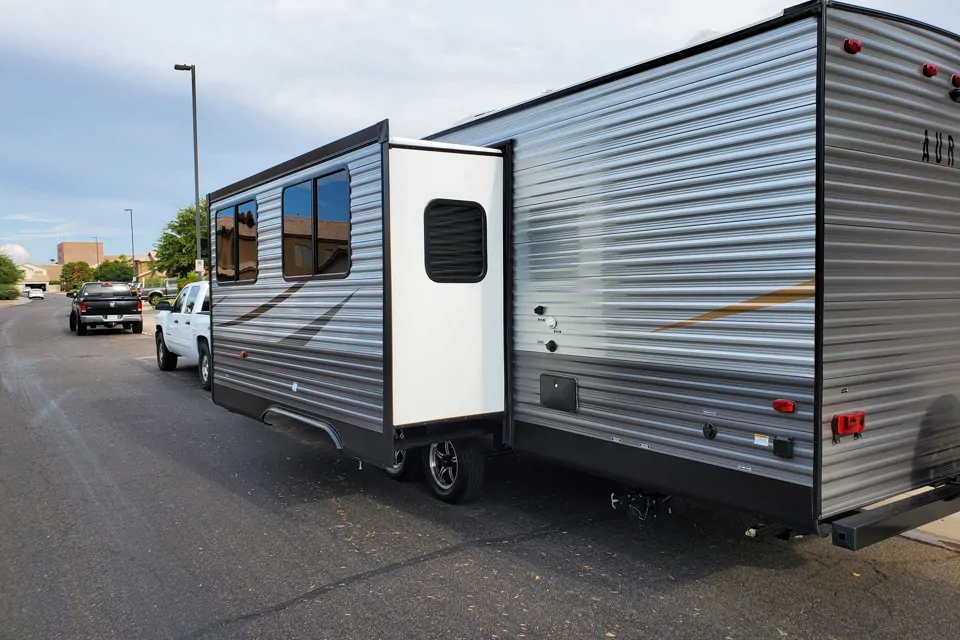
(933, 539)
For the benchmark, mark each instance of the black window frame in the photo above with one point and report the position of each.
(426, 241)
(312, 179)
(235, 248)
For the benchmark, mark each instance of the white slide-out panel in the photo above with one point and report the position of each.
(447, 338)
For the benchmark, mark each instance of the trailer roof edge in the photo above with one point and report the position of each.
(377, 133)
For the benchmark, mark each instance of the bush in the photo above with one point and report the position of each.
(154, 282)
(190, 278)
(9, 292)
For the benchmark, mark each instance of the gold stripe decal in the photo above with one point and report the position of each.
(797, 292)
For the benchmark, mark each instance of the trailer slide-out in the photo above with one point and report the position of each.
(731, 273)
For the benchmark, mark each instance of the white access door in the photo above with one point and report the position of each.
(446, 277)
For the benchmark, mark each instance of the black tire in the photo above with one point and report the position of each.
(137, 327)
(73, 322)
(166, 360)
(154, 298)
(468, 461)
(81, 329)
(409, 465)
(206, 366)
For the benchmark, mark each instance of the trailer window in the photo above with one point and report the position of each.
(455, 241)
(226, 260)
(237, 243)
(316, 227)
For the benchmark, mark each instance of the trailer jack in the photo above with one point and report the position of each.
(778, 531)
(640, 505)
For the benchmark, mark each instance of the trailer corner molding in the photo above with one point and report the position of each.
(786, 295)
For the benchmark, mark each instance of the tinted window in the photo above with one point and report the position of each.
(333, 224)
(246, 226)
(455, 235)
(226, 258)
(205, 306)
(107, 291)
(191, 299)
(177, 305)
(298, 229)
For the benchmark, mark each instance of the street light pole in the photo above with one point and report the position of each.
(96, 244)
(133, 254)
(196, 155)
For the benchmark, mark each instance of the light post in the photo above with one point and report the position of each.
(133, 254)
(196, 156)
(96, 244)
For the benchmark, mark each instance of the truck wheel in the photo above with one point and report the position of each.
(206, 371)
(454, 469)
(81, 328)
(407, 465)
(138, 327)
(155, 298)
(73, 322)
(165, 360)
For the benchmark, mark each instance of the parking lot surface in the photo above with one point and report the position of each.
(133, 507)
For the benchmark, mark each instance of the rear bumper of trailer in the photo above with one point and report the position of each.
(870, 526)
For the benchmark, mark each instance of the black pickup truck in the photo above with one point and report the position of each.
(106, 304)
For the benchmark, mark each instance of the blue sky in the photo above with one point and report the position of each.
(94, 120)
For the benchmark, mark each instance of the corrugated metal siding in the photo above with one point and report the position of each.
(339, 372)
(892, 261)
(656, 198)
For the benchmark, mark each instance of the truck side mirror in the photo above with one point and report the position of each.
(71, 294)
(163, 306)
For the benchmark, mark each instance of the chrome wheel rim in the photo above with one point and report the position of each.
(159, 351)
(443, 464)
(204, 366)
(399, 455)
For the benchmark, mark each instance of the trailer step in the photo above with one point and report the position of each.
(868, 527)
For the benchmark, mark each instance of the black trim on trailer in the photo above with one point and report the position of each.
(313, 179)
(868, 527)
(495, 415)
(357, 441)
(782, 502)
(387, 338)
(213, 366)
(876, 13)
(820, 241)
(469, 152)
(791, 14)
(236, 242)
(447, 432)
(507, 147)
(375, 133)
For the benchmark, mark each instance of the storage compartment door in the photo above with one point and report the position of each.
(446, 274)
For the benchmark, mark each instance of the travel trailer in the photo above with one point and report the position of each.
(731, 273)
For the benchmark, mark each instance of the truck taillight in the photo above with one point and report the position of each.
(83, 307)
(139, 306)
(849, 424)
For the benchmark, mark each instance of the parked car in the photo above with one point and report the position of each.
(155, 294)
(105, 304)
(35, 294)
(183, 331)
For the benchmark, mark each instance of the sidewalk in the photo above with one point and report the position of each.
(942, 533)
(13, 303)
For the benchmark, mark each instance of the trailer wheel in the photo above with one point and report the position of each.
(407, 462)
(454, 469)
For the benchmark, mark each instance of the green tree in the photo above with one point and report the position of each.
(74, 274)
(177, 246)
(9, 274)
(119, 270)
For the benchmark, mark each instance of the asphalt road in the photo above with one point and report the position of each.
(132, 507)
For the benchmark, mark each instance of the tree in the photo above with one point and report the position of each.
(74, 274)
(119, 270)
(9, 273)
(177, 247)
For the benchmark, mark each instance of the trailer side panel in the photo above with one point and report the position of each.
(892, 258)
(664, 222)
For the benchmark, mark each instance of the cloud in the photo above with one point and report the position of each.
(16, 252)
(28, 217)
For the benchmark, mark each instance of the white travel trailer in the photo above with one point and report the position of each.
(731, 273)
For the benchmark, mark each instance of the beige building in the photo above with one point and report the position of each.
(89, 252)
(36, 277)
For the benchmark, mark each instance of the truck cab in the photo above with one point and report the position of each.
(183, 331)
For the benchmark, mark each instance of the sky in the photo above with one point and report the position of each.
(94, 120)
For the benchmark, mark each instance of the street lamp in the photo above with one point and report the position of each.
(96, 244)
(133, 254)
(196, 156)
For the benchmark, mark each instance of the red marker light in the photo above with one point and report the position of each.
(852, 45)
(956, 80)
(785, 406)
(930, 70)
(846, 424)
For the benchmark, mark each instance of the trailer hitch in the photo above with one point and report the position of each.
(640, 505)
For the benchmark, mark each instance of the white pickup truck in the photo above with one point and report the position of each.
(183, 330)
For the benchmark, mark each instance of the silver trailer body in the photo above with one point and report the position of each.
(708, 259)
